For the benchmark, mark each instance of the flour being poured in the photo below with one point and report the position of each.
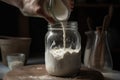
(64, 35)
(61, 13)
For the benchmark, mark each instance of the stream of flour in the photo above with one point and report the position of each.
(64, 35)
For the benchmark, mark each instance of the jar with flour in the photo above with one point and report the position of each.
(62, 49)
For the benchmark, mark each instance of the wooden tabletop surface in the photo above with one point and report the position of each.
(38, 72)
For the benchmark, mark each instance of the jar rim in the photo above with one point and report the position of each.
(69, 24)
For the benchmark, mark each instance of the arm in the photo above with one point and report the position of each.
(30, 8)
(35, 7)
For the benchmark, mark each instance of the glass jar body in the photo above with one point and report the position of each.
(62, 50)
(101, 58)
(91, 36)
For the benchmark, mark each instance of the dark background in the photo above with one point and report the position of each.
(9, 25)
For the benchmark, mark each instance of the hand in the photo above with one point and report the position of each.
(35, 8)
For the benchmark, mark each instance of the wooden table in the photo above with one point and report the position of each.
(38, 72)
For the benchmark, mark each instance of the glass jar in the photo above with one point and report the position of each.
(101, 58)
(62, 49)
(89, 47)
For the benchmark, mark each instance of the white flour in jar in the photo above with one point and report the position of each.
(63, 62)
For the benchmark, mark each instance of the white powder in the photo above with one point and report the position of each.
(60, 53)
(64, 34)
(63, 62)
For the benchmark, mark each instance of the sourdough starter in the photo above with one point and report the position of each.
(62, 62)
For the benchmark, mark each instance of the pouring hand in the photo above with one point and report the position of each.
(35, 8)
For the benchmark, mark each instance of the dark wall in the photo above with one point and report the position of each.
(97, 13)
(9, 25)
(38, 29)
(8, 20)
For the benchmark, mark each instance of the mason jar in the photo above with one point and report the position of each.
(100, 57)
(62, 49)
